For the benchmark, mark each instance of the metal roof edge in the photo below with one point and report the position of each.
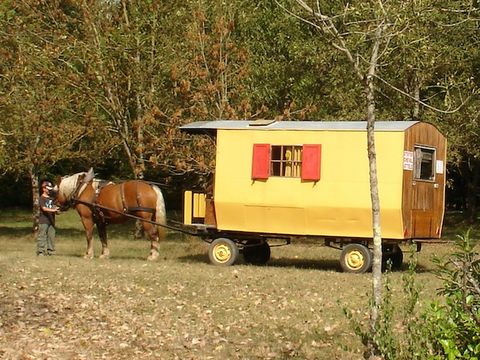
(208, 126)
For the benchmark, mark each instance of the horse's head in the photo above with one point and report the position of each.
(68, 188)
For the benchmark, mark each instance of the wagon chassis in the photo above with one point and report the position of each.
(356, 255)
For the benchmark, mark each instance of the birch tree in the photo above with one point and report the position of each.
(360, 33)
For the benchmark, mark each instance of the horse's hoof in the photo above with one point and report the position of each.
(103, 256)
(153, 256)
(88, 257)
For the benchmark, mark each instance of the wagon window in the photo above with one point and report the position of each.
(293, 161)
(286, 160)
(424, 163)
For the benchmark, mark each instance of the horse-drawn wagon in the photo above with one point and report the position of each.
(294, 179)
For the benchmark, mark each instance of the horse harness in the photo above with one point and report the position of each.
(98, 213)
(133, 209)
(98, 210)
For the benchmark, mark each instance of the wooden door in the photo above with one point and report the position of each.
(427, 192)
(424, 182)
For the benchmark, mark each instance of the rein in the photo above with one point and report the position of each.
(101, 207)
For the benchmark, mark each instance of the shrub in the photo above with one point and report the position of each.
(388, 341)
(455, 324)
(449, 329)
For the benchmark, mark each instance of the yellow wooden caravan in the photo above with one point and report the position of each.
(292, 179)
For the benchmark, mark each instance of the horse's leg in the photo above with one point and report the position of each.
(151, 230)
(102, 233)
(88, 225)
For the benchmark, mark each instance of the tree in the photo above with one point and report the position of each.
(437, 82)
(210, 82)
(432, 77)
(289, 72)
(43, 119)
(111, 60)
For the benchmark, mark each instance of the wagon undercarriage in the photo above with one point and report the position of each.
(355, 253)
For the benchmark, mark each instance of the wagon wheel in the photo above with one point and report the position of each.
(223, 252)
(394, 254)
(355, 258)
(397, 259)
(256, 254)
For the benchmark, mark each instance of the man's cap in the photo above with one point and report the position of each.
(48, 185)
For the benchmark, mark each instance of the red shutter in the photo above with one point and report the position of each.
(261, 161)
(311, 160)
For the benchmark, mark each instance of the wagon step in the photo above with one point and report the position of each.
(431, 241)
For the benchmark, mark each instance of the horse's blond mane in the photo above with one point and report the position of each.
(68, 185)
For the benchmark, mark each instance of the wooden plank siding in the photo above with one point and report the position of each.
(424, 200)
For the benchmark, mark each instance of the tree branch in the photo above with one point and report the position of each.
(425, 104)
(328, 27)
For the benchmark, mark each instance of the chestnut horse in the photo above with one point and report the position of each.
(101, 203)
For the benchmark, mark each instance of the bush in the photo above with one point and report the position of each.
(445, 330)
(455, 324)
(391, 341)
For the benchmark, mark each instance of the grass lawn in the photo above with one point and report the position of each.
(180, 307)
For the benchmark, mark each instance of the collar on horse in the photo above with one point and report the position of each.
(81, 182)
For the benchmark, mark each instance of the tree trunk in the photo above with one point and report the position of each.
(140, 163)
(416, 95)
(35, 198)
(372, 162)
(139, 231)
(139, 175)
(377, 238)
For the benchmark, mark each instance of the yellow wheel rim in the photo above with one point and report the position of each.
(222, 253)
(355, 260)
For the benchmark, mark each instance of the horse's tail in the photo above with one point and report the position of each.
(160, 213)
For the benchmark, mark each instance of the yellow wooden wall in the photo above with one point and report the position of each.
(337, 205)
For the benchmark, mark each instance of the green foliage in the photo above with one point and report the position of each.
(114, 79)
(455, 324)
(448, 329)
(398, 330)
(44, 118)
(289, 67)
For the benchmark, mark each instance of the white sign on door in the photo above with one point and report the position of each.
(408, 160)
(439, 167)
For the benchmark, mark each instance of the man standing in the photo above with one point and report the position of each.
(46, 221)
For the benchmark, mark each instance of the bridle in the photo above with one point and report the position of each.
(72, 197)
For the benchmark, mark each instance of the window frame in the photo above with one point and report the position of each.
(281, 166)
(304, 162)
(417, 162)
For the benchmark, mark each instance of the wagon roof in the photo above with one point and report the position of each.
(212, 126)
